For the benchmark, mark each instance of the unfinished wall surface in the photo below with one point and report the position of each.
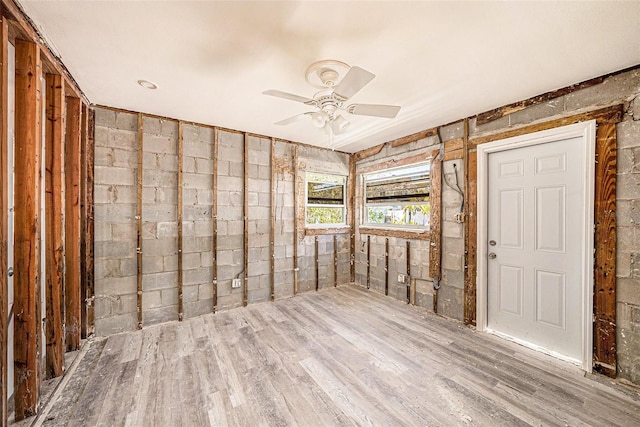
(621, 88)
(116, 198)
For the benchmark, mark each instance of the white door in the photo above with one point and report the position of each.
(537, 239)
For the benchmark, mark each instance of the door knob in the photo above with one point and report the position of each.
(492, 255)
(10, 271)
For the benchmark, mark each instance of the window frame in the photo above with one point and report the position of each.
(364, 220)
(308, 205)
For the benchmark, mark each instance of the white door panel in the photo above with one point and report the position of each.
(536, 199)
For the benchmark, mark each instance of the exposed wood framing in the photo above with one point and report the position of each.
(392, 163)
(368, 262)
(401, 234)
(139, 217)
(386, 266)
(604, 299)
(471, 236)
(4, 207)
(335, 261)
(414, 137)
(28, 149)
(179, 219)
(245, 215)
(326, 231)
(21, 26)
(453, 149)
(54, 213)
(83, 221)
(611, 114)
(272, 218)
(408, 258)
(90, 272)
(295, 220)
(369, 152)
(214, 220)
(495, 114)
(435, 249)
(352, 218)
(465, 225)
(317, 263)
(73, 277)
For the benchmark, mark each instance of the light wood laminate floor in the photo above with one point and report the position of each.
(338, 357)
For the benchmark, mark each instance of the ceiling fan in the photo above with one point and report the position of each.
(338, 82)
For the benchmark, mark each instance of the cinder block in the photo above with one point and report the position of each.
(169, 296)
(159, 315)
(151, 125)
(152, 264)
(170, 263)
(113, 249)
(198, 308)
(236, 169)
(112, 175)
(158, 178)
(615, 88)
(116, 286)
(628, 291)
(452, 261)
(159, 144)
(537, 112)
(116, 324)
(157, 281)
(114, 213)
(627, 132)
(152, 299)
(105, 117)
(197, 276)
(190, 293)
(155, 247)
(123, 139)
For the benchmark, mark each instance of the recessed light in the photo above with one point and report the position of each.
(147, 84)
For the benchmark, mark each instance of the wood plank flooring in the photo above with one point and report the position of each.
(339, 357)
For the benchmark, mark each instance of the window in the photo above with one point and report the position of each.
(398, 197)
(325, 199)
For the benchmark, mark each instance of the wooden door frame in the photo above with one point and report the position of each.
(587, 131)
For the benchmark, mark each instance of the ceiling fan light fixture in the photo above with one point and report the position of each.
(339, 124)
(319, 119)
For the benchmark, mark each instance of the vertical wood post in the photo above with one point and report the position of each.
(90, 276)
(386, 266)
(4, 208)
(472, 233)
(368, 262)
(28, 149)
(139, 217)
(179, 219)
(435, 249)
(245, 215)
(72, 225)
(335, 261)
(408, 272)
(317, 263)
(604, 298)
(214, 220)
(295, 220)
(54, 212)
(351, 206)
(83, 220)
(272, 214)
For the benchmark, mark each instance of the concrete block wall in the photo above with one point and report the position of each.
(621, 88)
(115, 199)
(312, 159)
(116, 224)
(197, 224)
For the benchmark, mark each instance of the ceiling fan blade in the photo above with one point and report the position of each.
(387, 111)
(352, 82)
(287, 95)
(291, 119)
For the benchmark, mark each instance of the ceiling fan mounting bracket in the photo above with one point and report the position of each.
(326, 73)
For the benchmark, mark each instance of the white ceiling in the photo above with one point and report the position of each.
(441, 61)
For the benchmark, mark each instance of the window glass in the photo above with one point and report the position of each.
(325, 199)
(398, 197)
